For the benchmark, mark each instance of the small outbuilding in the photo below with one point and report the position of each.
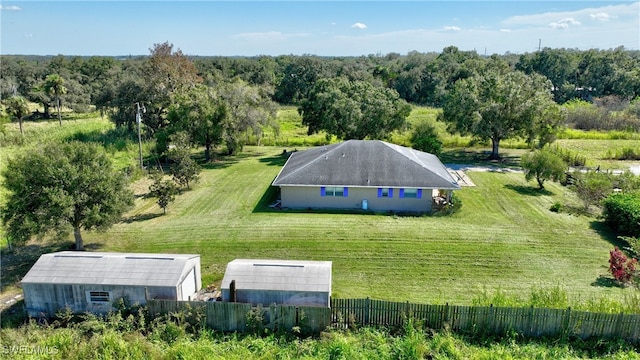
(94, 281)
(287, 282)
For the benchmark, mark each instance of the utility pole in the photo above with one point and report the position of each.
(539, 44)
(140, 109)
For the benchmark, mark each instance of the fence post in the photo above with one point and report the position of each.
(232, 291)
(445, 323)
(566, 321)
(618, 328)
(367, 308)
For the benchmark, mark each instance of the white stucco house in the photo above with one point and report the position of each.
(364, 174)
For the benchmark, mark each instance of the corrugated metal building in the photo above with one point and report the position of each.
(286, 282)
(93, 281)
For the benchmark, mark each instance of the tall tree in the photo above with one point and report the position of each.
(62, 187)
(248, 109)
(497, 105)
(17, 108)
(353, 110)
(54, 85)
(167, 74)
(201, 113)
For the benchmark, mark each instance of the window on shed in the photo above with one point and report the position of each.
(99, 296)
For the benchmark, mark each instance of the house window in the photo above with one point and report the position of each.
(385, 192)
(411, 193)
(99, 296)
(334, 191)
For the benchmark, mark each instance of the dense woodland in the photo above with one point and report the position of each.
(220, 100)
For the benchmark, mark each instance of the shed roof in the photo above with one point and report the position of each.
(365, 163)
(103, 268)
(279, 275)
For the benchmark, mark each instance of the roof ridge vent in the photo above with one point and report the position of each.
(148, 258)
(79, 256)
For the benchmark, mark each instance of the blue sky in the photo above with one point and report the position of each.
(328, 28)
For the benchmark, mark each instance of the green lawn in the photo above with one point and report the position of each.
(504, 237)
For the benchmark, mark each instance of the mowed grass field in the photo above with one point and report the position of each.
(504, 238)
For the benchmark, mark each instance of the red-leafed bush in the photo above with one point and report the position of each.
(620, 266)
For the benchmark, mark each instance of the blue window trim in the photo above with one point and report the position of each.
(323, 191)
(345, 192)
(401, 193)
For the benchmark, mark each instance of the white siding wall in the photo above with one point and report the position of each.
(47, 299)
(302, 197)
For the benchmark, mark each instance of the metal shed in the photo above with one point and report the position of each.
(288, 282)
(93, 281)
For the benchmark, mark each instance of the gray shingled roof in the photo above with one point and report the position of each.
(283, 275)
(102, 268)
(365, 163)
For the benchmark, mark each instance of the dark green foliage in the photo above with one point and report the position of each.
(556, 207)
(184, 169)
(17, 108)
(62, 187)
(592, 187)
(543, 165)
(163, 190)
(622, 213)
(499, 104)
(353, 109)
(425, 138)
(201, 113)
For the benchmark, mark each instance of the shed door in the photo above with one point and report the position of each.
(188, 286)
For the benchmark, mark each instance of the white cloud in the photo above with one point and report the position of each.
(28, 35)
(564, 23)
(451, 28)
(359, 26)
(601, 16)
(625, 12)
(505, 30)
(10, 8)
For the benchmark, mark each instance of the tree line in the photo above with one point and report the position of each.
(218, 100)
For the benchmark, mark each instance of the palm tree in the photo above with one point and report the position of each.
(54, 85)
(18, 108)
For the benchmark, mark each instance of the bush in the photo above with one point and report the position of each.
(622, 213)
(556, 208)
(543, 165)
(425, 138)
(622, 268)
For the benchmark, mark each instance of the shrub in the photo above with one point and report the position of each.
(622, 268)
(425, 138)
(543, 165)
(593, 187)
(622, 213)
(557, 207)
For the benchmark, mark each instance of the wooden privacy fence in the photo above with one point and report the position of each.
(531, 321)
(240, 317)
(534, 322)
